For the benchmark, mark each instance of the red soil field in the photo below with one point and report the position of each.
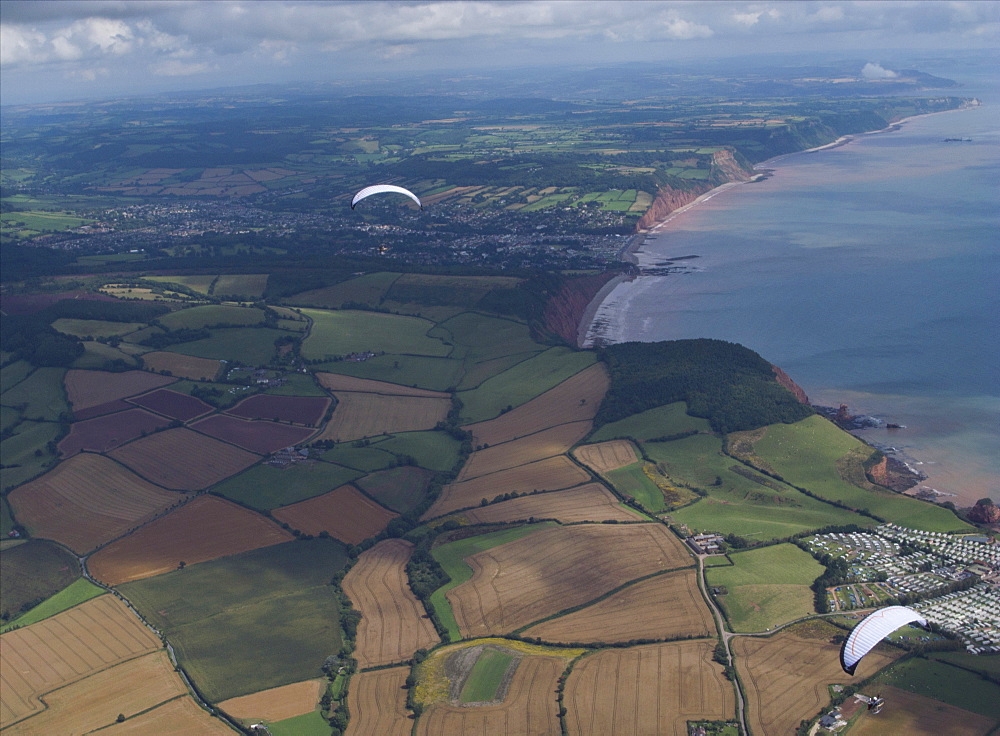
(85, 389)
(204, 529)
(377, 704)
(344, 513)
(173, 404)
(590, 502)
(110, 431)
(182, 459)
(394, 624)
(101, 409)
(308, 410)
(256, 436)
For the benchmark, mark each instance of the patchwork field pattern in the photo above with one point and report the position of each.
(366, 415)
(667, 606)
(173, 404)
(529, 708)
(547, 443)
(917, 715)
(590, 502)
(652, 689)
(105, 433)
(85, 389)
(183, 460)
(394, 623)
(605, 456)
(550, 474)
(185, 366)
(178, 716)
(203, 529)
(65, 648)
(575, 399)
(306, 410)
(557, 568)
(377, 703)
(86, 501)
(255, 436)
(344, 513)
(339, 382)
(785, 676)
(277, 703)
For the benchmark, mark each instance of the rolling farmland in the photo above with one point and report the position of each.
(172, 404)
(547, 443)
(606, 456)
(185, 366)
(344, 513)
(86, 389)
(918, 715)
(590, 502)
(339, 382)
(307, 410)
(105, 433)
(252, 435)
(377, 703)
(366, 415)
(181, 716)
(276, 703)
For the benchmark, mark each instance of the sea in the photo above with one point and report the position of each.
(869, 272)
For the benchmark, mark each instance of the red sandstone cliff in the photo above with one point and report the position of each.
(791, 385)
(565, 310)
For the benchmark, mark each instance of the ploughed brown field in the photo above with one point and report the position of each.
(172, 403)
(547, 443)
(183, 460)
(203, 529)
(785, 676)
(377, 703)
(85, 389)
(105, 433)
(255, 436)
(590, 502)
(549, 474)
(575, 399)
(185, 366)
(556, 568)
(65, 648)
(366, 415)
(394, 624)
(529, 708)
(307, 410)
(86, 501)
(344, 513)
(605, 456)
(178, 717)
(652, 689)
(277, 703)
(338, 382)
(667, 606)
(918, 715)
(100, 410)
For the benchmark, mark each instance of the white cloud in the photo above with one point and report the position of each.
(178, 68)
(877, 71)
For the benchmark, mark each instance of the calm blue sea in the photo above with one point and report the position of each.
(870, 273)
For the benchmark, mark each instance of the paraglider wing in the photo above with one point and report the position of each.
(382, 188)
(873, 629)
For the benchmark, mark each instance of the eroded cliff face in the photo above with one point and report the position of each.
(724, 163)
(565, 310)
(786, 381)
(890, 473)
(985, 514)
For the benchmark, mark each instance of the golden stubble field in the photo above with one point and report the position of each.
(652, 689)
(393, 624)
(339, 382)
(85, 389)
(367, 415)
(277, 703)
(547, 443)
(589, 502)
(377, 704)
(605, 456)
(178, 717)
(556, 568)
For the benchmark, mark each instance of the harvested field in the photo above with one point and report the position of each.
(667, 606)
(85, 389)
(785, 676)
(590, 502)
(101, 409)
(203, 529)
(95, 701)
(377, 704)
(918, 715)
(65, 648)
(105, 433)
(529, 708)
(345, 513)
(86, 501)
(393, 624)
(255, 436)
(575, 399)
(605, 456)
(185, 366)
(307, 410)
(173, 404)
(653, 689)
(550, 474)
(178, 717)
(338, 382)
(277, 703)
(556, 568)
(182, 459)
(366, 415)
(547, 443)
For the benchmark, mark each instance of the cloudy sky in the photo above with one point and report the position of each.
(72, 49)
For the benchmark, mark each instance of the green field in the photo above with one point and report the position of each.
(436, 374)
(96, 356)
(297, 384)
(663, 421)
(401, 489)
(451, 556)
(73, 594)
(265, 487)
(632, 481)
(365, 459)
(39, 395)
(433, 450)
(343, 332)
(246, 285)
(6, 520)
(767, 587)
(479, 338)
(367, 289)
(94, 327)
(11, 375)
(212, 314)
(486, 675)
(9, 416)
(32, 572)
(523, 382)
(307, 724)
(198, 283)
(250, 345)
(25, 454)
(946, 683)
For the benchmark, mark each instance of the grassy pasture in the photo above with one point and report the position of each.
(987, 664)
(479, 338)
(476, 373)
(212, 314)
(633, 481)
(32, 572)
(265, 487)
(74, 594)
(25, 454)
(365, 459)
(307, 724)
(943, 682)
(400, 489)
(11, 375)
(250, 285)
(97, 355)
(436, 291)
(40, 394)
(348, 331)
(436, 374)
(367, 289)
(253, 345)
(433, 450)
(662, 421)
(199, 283)
(297, 384)
(486, 675)
(8, 417)
(767, 587)
(94, 327)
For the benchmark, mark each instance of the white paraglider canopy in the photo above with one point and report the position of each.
(381, 189)
(873, 629)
